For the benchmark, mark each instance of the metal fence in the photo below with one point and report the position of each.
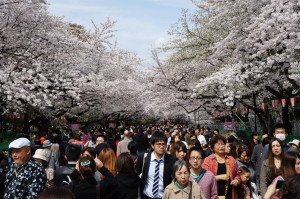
(248, 127)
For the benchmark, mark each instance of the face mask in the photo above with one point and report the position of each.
(280, 136)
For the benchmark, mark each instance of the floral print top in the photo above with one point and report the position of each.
(25, 182)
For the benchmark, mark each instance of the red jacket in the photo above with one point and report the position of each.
(210, 163)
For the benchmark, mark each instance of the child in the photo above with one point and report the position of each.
(246, 189)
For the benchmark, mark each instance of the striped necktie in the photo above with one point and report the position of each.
(156, 178)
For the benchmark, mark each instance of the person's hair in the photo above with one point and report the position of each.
(240, 191)
(241, 149)
(234, 149)
(103, 136)
(56, 193)
(178, 165)
(213, 141)
(178, 146)
(266, 141)
(195, 142)
(216, 130)
(125, 164)
(177, 135)
(274, 172)
(278, 126)
(254, 134)
(91, 151)
(290, 188)
(231, 139)
(73, 152)
(108, 157)
(132, 147)
(158, 136)
(288, 164)
(87, 166)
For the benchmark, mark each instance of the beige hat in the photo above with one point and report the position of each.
(40, 154)
(295, 142)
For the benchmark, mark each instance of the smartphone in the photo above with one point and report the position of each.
(279, 184)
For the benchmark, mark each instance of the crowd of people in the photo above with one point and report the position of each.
(167, 161)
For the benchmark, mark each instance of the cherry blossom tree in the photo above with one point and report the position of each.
(236, 53)
(55, 69)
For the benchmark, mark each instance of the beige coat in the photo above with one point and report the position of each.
(173, 192)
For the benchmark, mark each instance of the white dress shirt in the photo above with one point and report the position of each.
(149, 183)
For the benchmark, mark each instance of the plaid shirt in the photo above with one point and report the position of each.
(210, 163)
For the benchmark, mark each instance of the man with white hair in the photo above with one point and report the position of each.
(26, 177)
(122, 146)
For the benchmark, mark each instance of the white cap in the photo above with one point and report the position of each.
(19, 143)
(295, 142)
(40, 154)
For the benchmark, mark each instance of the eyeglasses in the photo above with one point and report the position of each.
(196, 158)
(160, 144)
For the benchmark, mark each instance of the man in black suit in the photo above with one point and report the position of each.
(156, 168)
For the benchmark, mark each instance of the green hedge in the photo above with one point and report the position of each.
(5, 139)
(4, 136)
(4, 145)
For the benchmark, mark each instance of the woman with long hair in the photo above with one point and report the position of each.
(108, 157)
(176, 138)
(127, 178)
(179, 150)
(272, 166)
(288, 164)
(288, 170)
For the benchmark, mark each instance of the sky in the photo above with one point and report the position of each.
(141, 24)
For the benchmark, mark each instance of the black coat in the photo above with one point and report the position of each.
(128, 186)
(62, 175)
(142, 141)
(168, 167)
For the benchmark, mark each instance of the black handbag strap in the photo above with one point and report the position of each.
(98, 190)
(191, 191)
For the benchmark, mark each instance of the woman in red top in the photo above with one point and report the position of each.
(218, 163)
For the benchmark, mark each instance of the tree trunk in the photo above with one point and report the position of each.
(26, 125)
(286, 120)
